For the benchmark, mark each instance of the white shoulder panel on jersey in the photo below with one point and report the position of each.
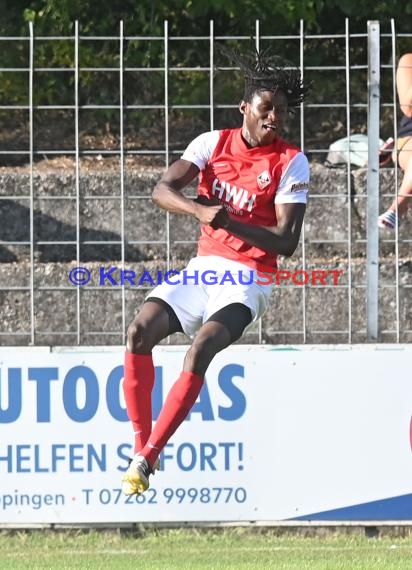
(294, 183)
(201, 149)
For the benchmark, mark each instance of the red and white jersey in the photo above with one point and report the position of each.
(248, 182)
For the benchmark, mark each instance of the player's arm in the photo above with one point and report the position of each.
(168, 195)
(282, 238)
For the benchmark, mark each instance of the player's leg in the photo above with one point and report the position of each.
(156, 320)
(170, 308)
(222, 329)
(225, 313)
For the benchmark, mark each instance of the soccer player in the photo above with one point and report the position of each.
(403, 153)
(252, 195)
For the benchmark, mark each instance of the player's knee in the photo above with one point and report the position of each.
(200, 354)
(139, 339)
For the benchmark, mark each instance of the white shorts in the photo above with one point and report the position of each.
(196, 299)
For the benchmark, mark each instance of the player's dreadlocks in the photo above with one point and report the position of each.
(263, 72)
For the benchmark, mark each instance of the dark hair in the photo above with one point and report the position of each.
(264, 72)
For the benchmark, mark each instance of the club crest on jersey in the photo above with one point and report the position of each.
(264, 179)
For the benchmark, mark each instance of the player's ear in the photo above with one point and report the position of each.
(242, 107)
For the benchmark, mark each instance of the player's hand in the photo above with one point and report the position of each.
(221, 220)
(387, 220)
(207, 209)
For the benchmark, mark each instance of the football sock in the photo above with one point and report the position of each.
(178, 404)
(137, 387)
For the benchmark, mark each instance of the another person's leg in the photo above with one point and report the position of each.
(405, 190)
(404, 84)
(400, 204)
(404, 88)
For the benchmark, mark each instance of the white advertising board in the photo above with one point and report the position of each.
(313, 433)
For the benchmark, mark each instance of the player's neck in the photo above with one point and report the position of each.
(247, 139)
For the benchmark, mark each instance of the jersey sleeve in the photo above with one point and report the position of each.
(201, 149)
(294, 183)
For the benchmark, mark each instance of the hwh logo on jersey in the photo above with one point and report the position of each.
(238, 196)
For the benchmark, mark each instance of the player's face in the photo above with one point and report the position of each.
(264, 117)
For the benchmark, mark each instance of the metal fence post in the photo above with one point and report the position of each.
(31, 158)
(77, 170)
(395, 178)
(372, 234)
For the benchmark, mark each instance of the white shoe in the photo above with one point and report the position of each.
(136, 479)
(388, 220)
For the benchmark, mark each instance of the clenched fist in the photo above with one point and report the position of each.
(211, 212)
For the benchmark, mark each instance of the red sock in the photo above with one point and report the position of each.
(137, 387)
(178, 404)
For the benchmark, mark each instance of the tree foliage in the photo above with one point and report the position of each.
(144, 18)
(189, 16)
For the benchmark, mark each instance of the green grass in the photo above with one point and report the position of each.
(189, 549)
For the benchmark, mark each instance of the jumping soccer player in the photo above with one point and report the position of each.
(251, 202)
